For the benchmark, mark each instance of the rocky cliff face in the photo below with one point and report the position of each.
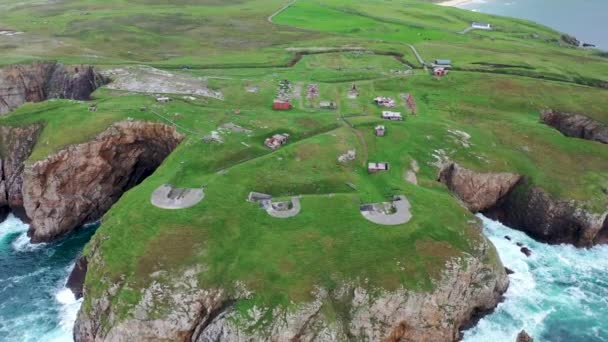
(546, 219)
(194, 314)
(576, 126)
(41, 81)
(80, 183)
(16, 144)
(520, 205)
(478, 191)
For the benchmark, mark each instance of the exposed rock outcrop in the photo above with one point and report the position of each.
(76, 279)
(524, 337)
(570, 40)
(531, 209)
(16, 144)
(468, 285)
(520, 205)
(576, 125)
(41, 81)
(478, 191)
(80, 183)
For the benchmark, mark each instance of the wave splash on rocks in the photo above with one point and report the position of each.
(559, 293)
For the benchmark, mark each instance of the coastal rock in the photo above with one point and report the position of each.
(80, 183)
(524, 337)
(518, 204)
(76, 279)
(16, 144)
(41, 81)
(576, 125)
(469, 285)
(478, 191)
(527, 252)
(532, 210)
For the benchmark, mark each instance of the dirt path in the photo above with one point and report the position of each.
(281, 10)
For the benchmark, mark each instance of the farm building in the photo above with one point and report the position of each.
(380, 130)
(446, 63)
(276, 141)
(163, 99)
(481, 26)
(385, 102)
(377, 167)
(328, 105)
(281, 105)
(395, 116)
(440, 71)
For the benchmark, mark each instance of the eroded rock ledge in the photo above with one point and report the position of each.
(41, 81)
(576, 125)
(192, 313)
(80, 183)
(514, 201)
(16, 144)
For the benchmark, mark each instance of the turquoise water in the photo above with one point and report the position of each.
(585, 19)
(34, 303)
(559, 294)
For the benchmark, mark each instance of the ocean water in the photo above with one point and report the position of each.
(559, 294)
(34, 303)
(585, 19)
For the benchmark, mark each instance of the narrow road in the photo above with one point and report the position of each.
(281, 10)
(420, 60)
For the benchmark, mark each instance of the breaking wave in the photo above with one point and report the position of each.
(35, 305)
(559, 293)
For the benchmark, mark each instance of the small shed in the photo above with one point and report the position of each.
(380, 130)
(281, 105)
(446, 63)
(377, 167)
(163, 99)
(481, 26)
(328, 105)
(393, 116)
(276, 141)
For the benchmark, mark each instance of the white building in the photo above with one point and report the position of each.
(481, 26)
(395, 116)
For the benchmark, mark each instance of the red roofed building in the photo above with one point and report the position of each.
(281, 105)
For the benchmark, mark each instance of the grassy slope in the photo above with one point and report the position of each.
(282, 260)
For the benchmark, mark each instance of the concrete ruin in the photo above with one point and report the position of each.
(391, 213)
(168, 197)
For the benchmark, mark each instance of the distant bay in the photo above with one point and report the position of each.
(587, 19)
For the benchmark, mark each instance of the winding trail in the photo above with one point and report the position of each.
(281, 10)
(418, 56)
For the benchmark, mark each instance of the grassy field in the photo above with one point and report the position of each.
(234, 46)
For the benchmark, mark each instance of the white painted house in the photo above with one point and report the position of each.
(395, 116)
(481, 26)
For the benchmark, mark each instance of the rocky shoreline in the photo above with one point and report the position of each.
(469, 286)
(517, 203)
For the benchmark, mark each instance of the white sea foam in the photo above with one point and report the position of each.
(68, 311)
(10, 226)
(23, 243)
(555, 294)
